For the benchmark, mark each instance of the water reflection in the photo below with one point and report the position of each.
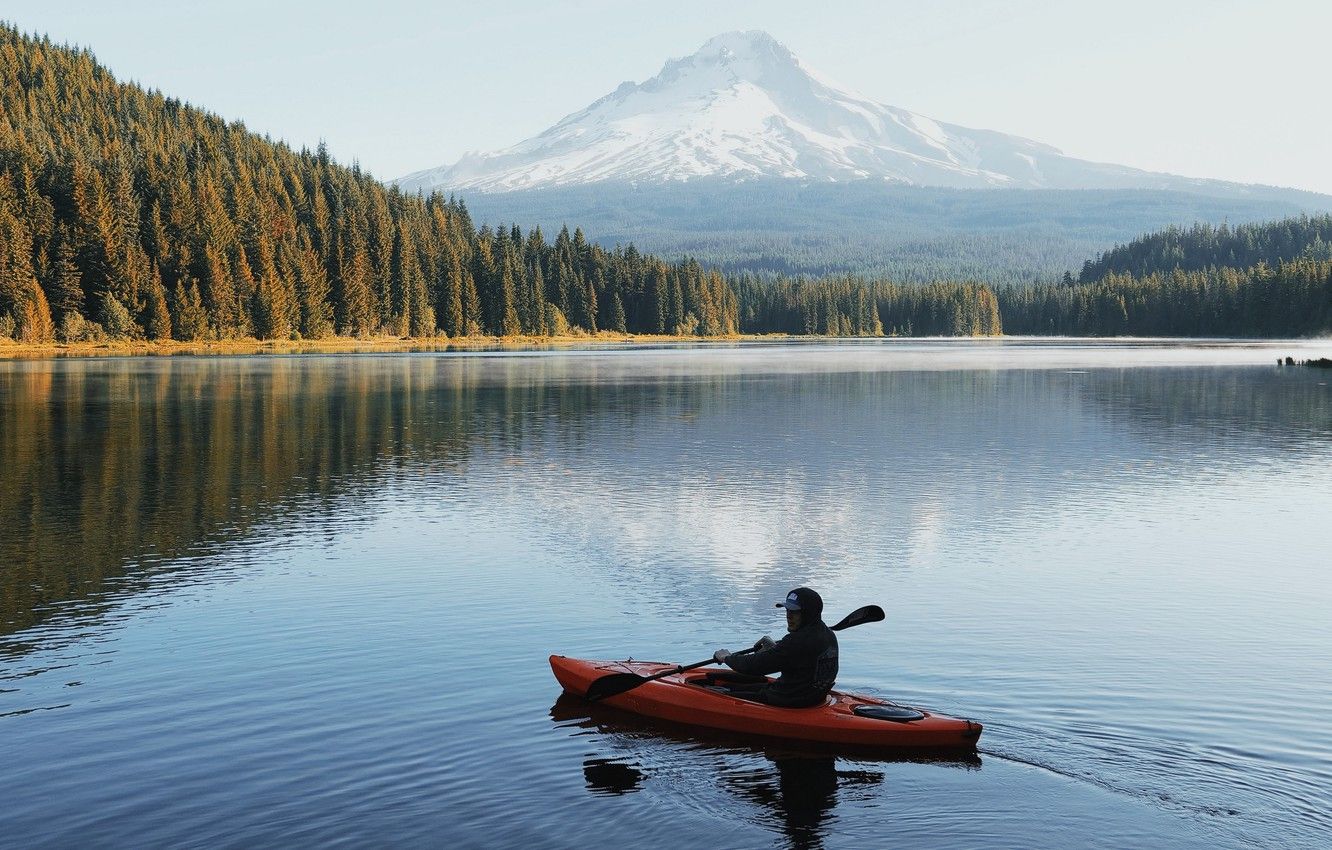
(787, 787)
(112, 470)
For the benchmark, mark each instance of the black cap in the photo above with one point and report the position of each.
(804, 600)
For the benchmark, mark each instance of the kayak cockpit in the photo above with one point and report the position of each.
(898, 713)
(735, 685)
(712, 678)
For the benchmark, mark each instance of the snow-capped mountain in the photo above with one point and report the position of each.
(744, 107)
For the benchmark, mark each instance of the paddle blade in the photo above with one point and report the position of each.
(860, 616)
(613, 685)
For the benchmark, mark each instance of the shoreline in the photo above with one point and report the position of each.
(10, 350)
(344, 345)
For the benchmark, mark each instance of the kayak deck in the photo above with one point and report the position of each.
(684, 698)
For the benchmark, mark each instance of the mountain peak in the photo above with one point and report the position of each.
(740, 43)
(743, 107)
(724, 59)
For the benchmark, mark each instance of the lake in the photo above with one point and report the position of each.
(308, 600)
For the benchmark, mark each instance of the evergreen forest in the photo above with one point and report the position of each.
(1203, 246)
(128, 214)
(1270, 279)
(881, 230)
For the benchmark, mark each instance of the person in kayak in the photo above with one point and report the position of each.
(806, 657)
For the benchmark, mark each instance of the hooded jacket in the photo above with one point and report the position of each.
(806, 659)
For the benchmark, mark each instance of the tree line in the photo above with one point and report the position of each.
(1290, 298)
(1204, 246)
(850, 306)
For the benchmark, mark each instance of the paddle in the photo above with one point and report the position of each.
(615, 684)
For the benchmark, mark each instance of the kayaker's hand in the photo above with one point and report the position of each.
(721, 655)
(763, 643)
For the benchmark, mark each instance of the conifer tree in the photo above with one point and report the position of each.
(66, 279)
(353, 283)
(617, 320)
(661, 298)
(189, 321)
(677, 314)
(509, 324)
(157, 318)
(471, 305)
(316, 314)
(219, 293)
(451, 307)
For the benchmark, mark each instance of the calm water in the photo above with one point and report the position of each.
(308, 600)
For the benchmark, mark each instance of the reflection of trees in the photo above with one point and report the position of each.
(109, 466)
(796, 787)
(1271, 408)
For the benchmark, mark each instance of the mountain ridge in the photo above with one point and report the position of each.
(745, 107)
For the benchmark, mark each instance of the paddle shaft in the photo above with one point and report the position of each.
(693, 666)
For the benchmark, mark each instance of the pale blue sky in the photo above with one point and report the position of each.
(1228, 89)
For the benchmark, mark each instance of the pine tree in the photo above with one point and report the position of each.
(219, 293)
(246, 285)
(157, 318)
(270, 317)
(677, 314)
(67, 281)
(539, 303)
(22, 302)
(316, 314)
(451, 307)
(662, 298)
(617, 321)
(189, 320)
(358, 315)
(509, 323)
(471, 305)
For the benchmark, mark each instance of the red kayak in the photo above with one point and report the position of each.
(697, 698)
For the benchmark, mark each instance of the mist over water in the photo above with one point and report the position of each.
(306, 600)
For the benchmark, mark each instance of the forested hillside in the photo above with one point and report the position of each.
(874, 229)
(129, 214)
(1202, 246)
(1288, 299)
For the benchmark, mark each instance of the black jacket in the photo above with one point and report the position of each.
(807, 660)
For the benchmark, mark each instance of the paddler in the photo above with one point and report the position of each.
(806, 657)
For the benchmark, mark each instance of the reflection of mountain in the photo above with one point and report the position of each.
(109, 470)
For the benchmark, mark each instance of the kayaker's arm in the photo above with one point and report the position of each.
(763, 662)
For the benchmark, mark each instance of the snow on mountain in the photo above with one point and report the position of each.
(744, 107)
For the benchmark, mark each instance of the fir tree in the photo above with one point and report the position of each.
(189, 320)
(157, 318)
(617, 320)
